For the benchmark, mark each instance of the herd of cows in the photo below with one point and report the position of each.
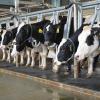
(28, 40)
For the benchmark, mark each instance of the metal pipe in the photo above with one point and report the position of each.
(16, 5)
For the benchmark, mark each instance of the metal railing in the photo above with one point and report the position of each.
(53, 11)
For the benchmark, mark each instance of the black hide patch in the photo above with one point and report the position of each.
(9, 36)
(66, 51)
(90, 40)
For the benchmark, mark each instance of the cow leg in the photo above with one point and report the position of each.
(28, 57)
(43, 62)
(22, 58)
(55, 68)
(4, 55)
(8, 56)
(33, 58)
(90, 66)
(17, 62)
(14, 61)
(43, 55)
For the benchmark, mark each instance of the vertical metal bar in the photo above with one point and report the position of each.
(80, 16)
(56, 17)
(75, 28)
(7, 25)
(68, 24)
(39, 17)
(16, 5)
(95, 16)
(75, 17)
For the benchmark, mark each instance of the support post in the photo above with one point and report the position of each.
(75, 16)
(68, 24)
(76, 19)
(16, 5)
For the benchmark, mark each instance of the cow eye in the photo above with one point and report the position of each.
(62, 49)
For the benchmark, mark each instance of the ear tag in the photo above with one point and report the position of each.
(40, 30)
(57, 30)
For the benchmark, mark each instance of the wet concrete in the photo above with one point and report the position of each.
(15, 88)
(89, 83)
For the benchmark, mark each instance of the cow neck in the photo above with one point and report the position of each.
(13, 32)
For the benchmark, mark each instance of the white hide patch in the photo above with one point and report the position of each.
(3, 34)
(58, 50)
(14, 51)
(47, 28)
(83, 49)
(20, 26)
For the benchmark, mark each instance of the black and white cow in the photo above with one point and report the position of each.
(88, 47)
(53, 34)
(7, 39)
(26, 35)
(4, 28)
(66, 49)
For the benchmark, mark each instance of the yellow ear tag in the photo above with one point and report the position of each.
(57, 30)
(40, 30)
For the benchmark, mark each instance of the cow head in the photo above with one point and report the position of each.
(8, 36)
(66, 50)
(88, 43)
(51, 30)
(49, 33)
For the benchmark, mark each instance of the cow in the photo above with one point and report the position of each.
(4, 28)
(88, 47)
(7, 39)
(26, 36)
(53, 33)
(66, 50)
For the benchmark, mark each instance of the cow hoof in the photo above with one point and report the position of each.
(55, 71)
(17, 65)
(40, 66)
(88, 75)
(43, 68)
(3, 59)
(22, 64)
(27, 64)
(32, 65)
(13, 62)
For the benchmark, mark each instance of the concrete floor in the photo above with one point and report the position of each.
(89, 83)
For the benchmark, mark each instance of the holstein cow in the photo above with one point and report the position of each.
(88, 46)
(66, 50)
(26, 36)
(7, 39)
(4, 30)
